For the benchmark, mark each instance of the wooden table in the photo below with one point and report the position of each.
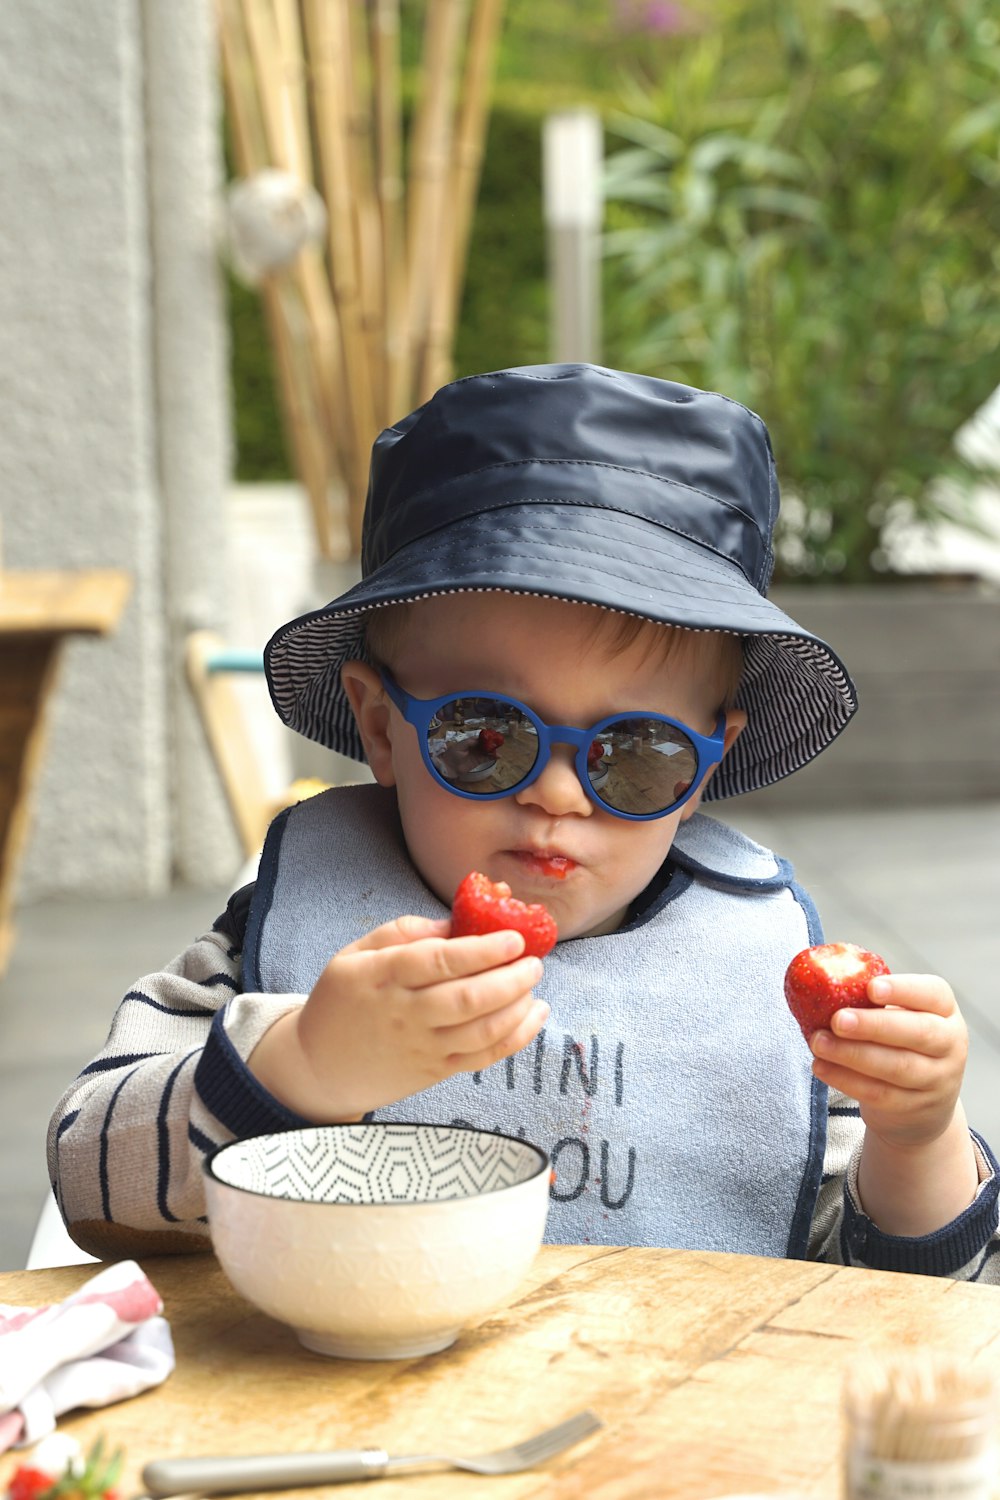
(714, 1374)
(38, 610)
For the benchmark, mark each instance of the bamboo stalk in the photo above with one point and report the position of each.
(319, 333)
(262, 34)
(304, 408)
(328, 72)
(386, 104)
(305, 420)
(467, 158)
(367, 226)
(249, 139)
(473, 118)
(430, 170)
(288, 29)
(315, 91)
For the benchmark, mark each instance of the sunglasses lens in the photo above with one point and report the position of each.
(482, 745)
(641, 765)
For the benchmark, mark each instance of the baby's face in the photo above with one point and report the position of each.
(547, 654)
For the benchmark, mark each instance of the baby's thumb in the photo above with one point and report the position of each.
(406, 929)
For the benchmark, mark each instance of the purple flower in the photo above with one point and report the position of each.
(658, 16)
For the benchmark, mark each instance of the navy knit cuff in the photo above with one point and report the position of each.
(236, 1098)
(942, 1253)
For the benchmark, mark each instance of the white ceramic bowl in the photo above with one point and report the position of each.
(377, 1241)
(481, 773)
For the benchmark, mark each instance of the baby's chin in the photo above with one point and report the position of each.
(584, 925)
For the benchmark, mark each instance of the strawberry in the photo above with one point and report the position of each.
(483, 905)
(826, 978)
(27, 1482)
(91, 1478)
(595, 752)
(490, 740)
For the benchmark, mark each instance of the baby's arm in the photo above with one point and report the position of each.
(903, 1062)
(967, 1249)
(396, 1012)
(127, 1140)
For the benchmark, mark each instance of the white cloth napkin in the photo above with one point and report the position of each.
(103, 1343)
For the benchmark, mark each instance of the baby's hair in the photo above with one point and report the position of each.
(722, 651)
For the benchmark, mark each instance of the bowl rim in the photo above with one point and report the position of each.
(209, 1170)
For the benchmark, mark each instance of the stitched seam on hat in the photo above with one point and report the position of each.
(429, 550)
(625, 519)
(590, 463)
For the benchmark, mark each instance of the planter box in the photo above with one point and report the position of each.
(926, 661)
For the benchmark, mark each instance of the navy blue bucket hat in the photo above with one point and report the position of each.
(580, 483)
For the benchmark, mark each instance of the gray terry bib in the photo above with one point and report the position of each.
(670, 1086)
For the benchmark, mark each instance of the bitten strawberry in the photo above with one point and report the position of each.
(826, 978)
(484, 905)
(490, 740)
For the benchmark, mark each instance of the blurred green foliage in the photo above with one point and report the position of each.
(803, 212)
(807, 217)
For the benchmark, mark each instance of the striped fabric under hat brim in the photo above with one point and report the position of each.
(797, 694)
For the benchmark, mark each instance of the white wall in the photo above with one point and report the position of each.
(113, 443)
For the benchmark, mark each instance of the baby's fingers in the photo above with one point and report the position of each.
(478, 1044)
(400, 931)
(424, 964)
(844, 1063)
(930, 1034)
(923, 992)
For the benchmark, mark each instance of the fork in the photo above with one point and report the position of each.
(280, 1471)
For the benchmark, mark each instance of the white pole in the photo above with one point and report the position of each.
(572, 151)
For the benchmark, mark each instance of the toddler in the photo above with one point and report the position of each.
(560, 649)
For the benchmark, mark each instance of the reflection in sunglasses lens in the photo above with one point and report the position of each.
(641, 765)
(485, 745)
(482, 745)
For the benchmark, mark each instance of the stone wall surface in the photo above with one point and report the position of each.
(104, 418)
(926, 662)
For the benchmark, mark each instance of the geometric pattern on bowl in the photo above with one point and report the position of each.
(387, 1163)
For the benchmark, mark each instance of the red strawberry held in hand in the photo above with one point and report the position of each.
(490, 740)
(484, 905)
(826, 978)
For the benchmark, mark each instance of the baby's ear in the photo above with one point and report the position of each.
(368, 700)
(736, 722)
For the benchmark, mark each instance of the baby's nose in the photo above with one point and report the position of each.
(557, 791)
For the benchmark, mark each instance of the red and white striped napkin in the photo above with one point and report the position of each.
(104, 1343)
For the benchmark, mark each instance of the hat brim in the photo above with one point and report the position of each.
(797, 693)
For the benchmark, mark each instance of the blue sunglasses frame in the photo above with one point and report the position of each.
(420, 711)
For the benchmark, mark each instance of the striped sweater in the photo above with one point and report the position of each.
(127, 1140)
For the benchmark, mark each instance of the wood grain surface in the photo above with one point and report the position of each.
(714, 1374)
(50, 603)
(38, 610)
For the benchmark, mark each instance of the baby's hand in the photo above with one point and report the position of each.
(397, 1011)
(903, 1060)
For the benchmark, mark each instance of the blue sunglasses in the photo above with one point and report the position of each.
(484, 746)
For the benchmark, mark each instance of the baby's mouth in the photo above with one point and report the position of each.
(542, 862)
